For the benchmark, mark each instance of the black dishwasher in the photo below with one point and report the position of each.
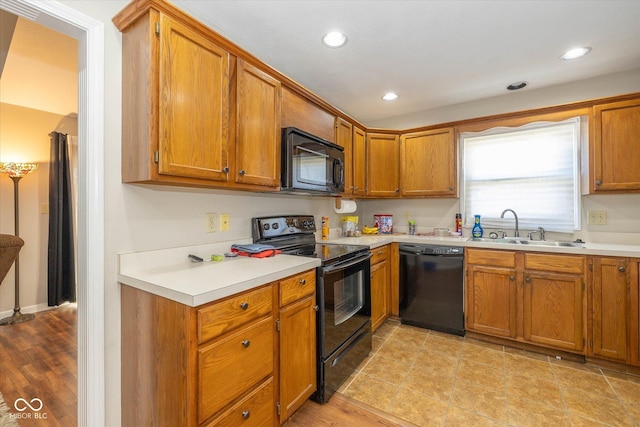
(431, 287)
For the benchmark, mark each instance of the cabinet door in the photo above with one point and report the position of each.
(634, 312)
(344, 138)
(194, 104)
(383, 161)
(491, 300)
(380, 304)
(258, 127)
(553, 310)
(359, 162)
(609, 293)
(428, 163)
(297, 355)
(615, 149)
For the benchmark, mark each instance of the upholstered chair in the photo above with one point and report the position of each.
(10, 246)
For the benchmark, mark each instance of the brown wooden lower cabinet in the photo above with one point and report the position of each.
(530, 297)
(248, 359)
(380, 286)
(634, 313)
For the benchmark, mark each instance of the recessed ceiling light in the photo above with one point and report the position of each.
(390, 96)
(334, 39)
(576, 53)
(516, 86)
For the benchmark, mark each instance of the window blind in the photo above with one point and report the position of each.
(533, 169)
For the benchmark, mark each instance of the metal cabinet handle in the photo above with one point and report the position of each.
(316, 307)
(598, 182)
(225, 169)
(303, 281)
(246, 343)
(244, 305)
(246, 414)
(397, 190)
(242, 172)
(450, 188)
(380, 252)
(528, 280)
(622, 269)
(512, 278)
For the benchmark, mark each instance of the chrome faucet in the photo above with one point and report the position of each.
(517, 230)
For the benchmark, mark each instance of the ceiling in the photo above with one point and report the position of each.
(41, 67)
(433, 53)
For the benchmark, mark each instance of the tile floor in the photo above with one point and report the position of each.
(434, 379)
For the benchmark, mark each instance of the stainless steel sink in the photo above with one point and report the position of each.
(521, 241)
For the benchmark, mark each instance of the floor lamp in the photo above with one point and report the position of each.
(16, 171)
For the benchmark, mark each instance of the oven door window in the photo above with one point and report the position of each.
(348, 297)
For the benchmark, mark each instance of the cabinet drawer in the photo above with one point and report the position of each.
(379, 254)
(256, 409)
(491, 257)
(557, 263)
(296, 287)
(221, 317)
(230, 367)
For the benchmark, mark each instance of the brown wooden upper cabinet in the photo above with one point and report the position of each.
(359, 162)
(344, 138)
(258, 127)
(428, 163)
(383, 165)
(614, 148)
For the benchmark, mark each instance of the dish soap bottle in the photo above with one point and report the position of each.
(476, 231)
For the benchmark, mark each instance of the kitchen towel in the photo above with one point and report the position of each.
(346, 206)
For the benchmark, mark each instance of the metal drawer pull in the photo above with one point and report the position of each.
(303, 281)
(512, 278)
(622, 269)
(242, 172)
(244, 305)
(246, 343)
(246, 414)
(528, 280)
(316, 307)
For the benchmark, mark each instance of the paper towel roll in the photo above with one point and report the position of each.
(346, 206)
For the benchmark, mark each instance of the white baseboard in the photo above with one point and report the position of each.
(31, 309)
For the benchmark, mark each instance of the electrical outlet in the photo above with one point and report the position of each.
(211, 224)
(596, 217)
(224, 222)
(44, 208)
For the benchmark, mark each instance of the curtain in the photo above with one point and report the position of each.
(61, 253)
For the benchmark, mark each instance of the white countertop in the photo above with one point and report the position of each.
(169, 273)
(604, 249)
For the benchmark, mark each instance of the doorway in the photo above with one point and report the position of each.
(90, 35)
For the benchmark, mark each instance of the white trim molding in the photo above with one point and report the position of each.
(91, 328)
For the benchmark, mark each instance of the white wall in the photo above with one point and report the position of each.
(24, 137)
(140, 218)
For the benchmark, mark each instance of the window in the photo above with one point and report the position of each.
(533, 169)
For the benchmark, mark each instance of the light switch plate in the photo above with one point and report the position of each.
(596, 217)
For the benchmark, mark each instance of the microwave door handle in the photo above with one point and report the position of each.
(338, 172)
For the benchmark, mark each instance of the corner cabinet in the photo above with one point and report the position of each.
(248, 359)
(182, 90)
(383, 165)
(428, 164)
(614, 152)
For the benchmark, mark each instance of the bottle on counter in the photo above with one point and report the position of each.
(459, 223)
(476, 231)
(325, 228)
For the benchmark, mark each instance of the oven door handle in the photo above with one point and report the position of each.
(346, 264)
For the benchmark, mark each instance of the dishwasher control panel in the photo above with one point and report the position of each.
(432, 249)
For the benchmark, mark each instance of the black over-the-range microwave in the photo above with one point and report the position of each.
(311, 165)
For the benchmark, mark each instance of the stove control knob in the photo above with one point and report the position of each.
(275, 226)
